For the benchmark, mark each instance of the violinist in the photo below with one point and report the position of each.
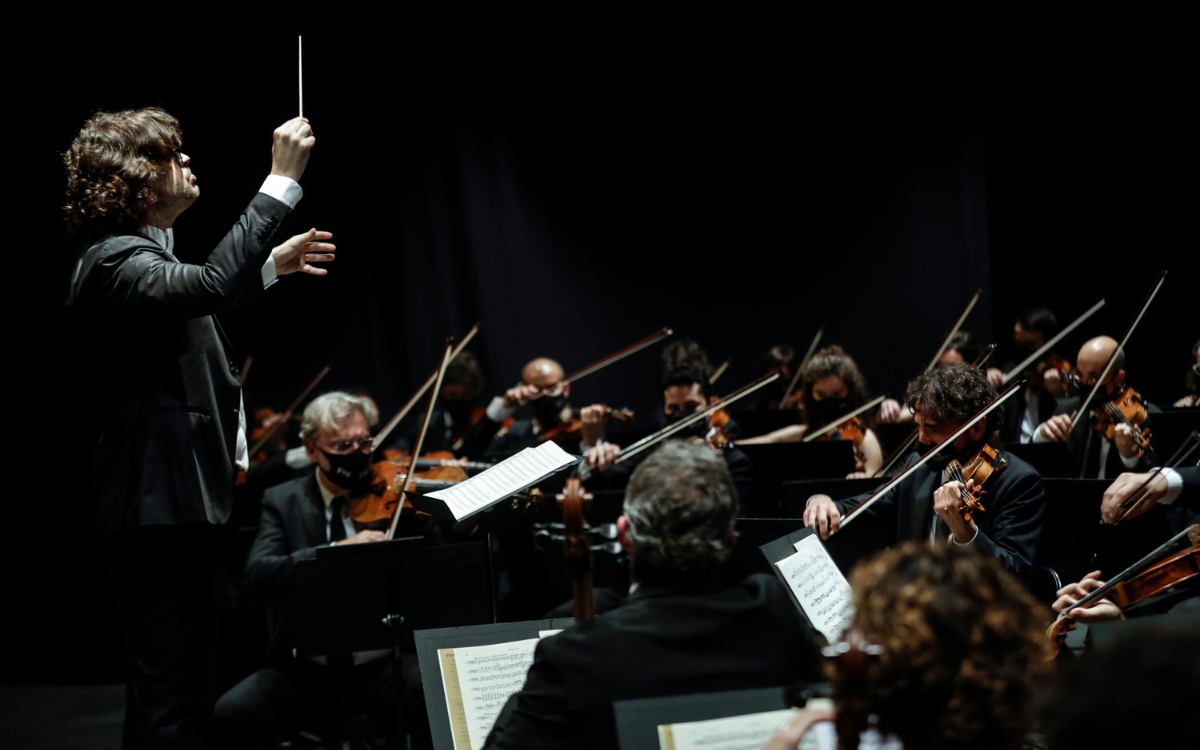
(831, 386)
(685, 391)
(1046, 380)
(456, 412)
(299, 516)
(1193, 381)
(1096, 455)
(782, 359)
(964, 346)
(927, 505)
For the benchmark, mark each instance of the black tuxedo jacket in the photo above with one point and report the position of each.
(1009, 528)
(161, 378)
(293, 525)
(1084, 443)
(1014, 413)
(1189, 497)
(660, 641)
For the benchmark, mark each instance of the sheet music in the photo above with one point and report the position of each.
(487, 676)
(819, 586)
(748, 732)
(504, 479)
(454, 702)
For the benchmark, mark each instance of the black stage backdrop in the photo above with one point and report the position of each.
(574, 194)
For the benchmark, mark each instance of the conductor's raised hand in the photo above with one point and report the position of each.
(292, 143)
(298, 252)
(823, 513)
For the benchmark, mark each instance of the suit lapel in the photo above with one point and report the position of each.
(315, 525)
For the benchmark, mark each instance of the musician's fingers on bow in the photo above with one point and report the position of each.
(823, 514)
(889, 411)
(1100, 611)
(1117, 493)
(1057, 427)
(995, 377)
(603, 456)
(1073, 592)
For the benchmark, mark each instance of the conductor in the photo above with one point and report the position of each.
(163, 385)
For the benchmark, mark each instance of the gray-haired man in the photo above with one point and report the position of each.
(679, 632)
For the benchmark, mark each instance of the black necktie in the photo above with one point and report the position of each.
(337, 528)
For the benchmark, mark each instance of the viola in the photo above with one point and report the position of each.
(573, 425)
(981, 467)
(1125, 407)
(1142, 580)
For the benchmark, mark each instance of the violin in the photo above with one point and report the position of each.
(459, 436)
(383, 493)
(1137, 583)
(573, 425)
(1036, 375)
(854, 431)
(1125, 407)
(577, 548)
(981, 467)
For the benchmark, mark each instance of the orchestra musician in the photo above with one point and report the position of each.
(298, 517)
(926, 505)
(961, 654)
(831, 386)
(685, 391)
(677, 624)
(164, 385)
(1193, 381)
(782, 359)
(455, 410)
(1039, 398)
(964, 346)
(1093, 453)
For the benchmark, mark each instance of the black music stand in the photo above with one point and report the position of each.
(1050, 459)
(361, 597)
(797, 493)
(429, 641)
(638, 720)
(1170, 427)
(777, 463)
(764, 421)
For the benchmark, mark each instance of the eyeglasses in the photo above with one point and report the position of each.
(345, 446)
(178, 154)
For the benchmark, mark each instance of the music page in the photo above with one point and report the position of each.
(748, 732)
(819, 586)
(503, 480)
(487, 676)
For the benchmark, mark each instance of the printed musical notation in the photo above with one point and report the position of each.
(478, 681)
(747, 732)
(819, 586)
(503, 480)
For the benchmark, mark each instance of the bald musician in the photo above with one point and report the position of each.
(1095, 455)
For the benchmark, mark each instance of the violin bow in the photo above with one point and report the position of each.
(404, 410)
(858, 509)
(245, 369)
(447, 357)
(717, 373)
(954, 330)
(984, 356)
(836, 423)
(1014, 372)
(294, 405)
(812, 349)
(1158, 282)
(670, 430)
(653, 338)
(1183, 453)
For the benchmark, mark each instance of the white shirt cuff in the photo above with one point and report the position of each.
(1174, 486)
(966, 543)
(584, 447)
(269, 275)
(1039, 436)
(497, 412)
(297, 458)
(283, 189)
(1131, 462)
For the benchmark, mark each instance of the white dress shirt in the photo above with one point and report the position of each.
(283, 189)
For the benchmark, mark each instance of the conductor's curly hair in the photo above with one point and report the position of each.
(110, 165)
(963, 646)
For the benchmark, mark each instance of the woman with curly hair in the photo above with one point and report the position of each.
(958, 653)
(831, 387)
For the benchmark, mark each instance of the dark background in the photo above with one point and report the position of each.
(576, 189)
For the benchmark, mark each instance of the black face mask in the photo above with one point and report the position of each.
(829, 409)
(547, 410)
(699, 428)
(348, 470)
(459, 411)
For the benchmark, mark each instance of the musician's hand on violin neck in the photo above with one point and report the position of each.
(593, 419)
(1123, 488)
(367, 535)
(1098, 611)
(947, 503)
(298, 252)
(1057, 427)
(603, 456)
(889, 411)
(823, 513)
(1123, 439)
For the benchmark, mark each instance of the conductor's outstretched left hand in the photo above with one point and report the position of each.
(298, 252)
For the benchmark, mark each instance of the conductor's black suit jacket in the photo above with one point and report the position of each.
(158, 371)
(661, 641)
(1009, 529)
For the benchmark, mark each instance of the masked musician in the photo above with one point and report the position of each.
(298, 517)
(1096, 456)
(964, 346)
(831, 386)
(926, 505)
(679, 631)
(1193, 381)
(1045, 384)
(164, 382)
(455, 413)
(686, 390)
